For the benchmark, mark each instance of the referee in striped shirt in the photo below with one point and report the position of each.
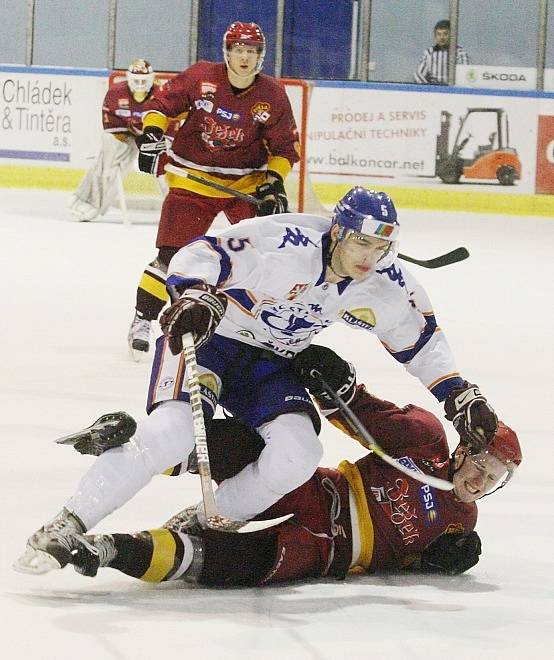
(433, 68)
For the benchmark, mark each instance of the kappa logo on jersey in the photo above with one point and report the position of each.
(295, 239)
(361, 317)
(227, 114)
(166, 383)
(208, 90)
(204, 104)
(296, 290)
(260, 112)
(394, 275)
(290, 324)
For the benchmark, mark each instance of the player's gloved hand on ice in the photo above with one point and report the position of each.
(472, 416)
(450, 554)
(199, 311)
(151, 145)
(315, 362)
(273, 197)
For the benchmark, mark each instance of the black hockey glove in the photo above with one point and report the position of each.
(273, 197)
(317, 361)
(151, 145)
(451, 554)
(472, 416)
(199, 311)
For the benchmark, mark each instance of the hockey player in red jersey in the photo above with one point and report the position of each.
(238, 130)
(365, 514)
(122, 111)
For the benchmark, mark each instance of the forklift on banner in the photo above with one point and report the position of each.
(494, 160)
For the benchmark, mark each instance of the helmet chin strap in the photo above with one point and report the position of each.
(330, 259)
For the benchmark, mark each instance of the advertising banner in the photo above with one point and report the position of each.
(545, 155)
(49, 117)
(496, 77)
(424, 138)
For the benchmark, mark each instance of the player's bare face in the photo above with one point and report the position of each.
(357, 255)
(243, 61)
(477, 476)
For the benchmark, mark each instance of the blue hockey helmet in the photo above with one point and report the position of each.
(366, 212)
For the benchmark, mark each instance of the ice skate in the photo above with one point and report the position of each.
(94, 552)
(82, 211)
(108, 431)
(52, 546)
(139, 338)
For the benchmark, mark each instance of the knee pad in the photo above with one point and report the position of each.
(165, 437)
(292, 452)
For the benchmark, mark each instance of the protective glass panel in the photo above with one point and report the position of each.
(13, 21)
(69, 33)
(216, 16)
(400, 33)
(158, 32)
(549, 59)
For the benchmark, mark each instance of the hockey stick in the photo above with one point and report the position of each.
(459, 254)
(360, 429)
(212, 184)
(213, 519)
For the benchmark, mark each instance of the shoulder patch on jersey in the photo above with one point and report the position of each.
(361, 317)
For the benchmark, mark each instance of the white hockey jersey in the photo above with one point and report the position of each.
(272, 270)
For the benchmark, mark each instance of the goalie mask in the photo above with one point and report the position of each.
(478, 475)
(140, 78)
(247, 34)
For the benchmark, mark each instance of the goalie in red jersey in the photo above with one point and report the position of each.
(366, 515)
(122, 111)
(237, 129)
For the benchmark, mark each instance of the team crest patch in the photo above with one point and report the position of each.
(261, 111)
(296, 290)
(208, 90)
(361, 317)
(123, 103)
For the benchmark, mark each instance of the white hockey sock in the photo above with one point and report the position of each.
(162, 440)
(289, 459)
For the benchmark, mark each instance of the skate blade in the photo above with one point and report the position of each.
(35, 562)
(138, 356)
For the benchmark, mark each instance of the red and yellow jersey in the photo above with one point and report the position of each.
(399, 516)
(226, 135)
(121, 114)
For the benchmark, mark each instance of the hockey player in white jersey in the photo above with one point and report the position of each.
(253, 297)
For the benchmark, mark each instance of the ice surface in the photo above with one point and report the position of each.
(67, 301)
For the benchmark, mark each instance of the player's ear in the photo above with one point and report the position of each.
(334, 232)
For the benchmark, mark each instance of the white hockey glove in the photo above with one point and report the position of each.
(199, 310)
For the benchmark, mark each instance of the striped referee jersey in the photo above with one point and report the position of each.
(433, 68)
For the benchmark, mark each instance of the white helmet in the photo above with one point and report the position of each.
(140, 78)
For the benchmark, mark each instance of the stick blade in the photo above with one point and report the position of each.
(258, 525)
(222, 524)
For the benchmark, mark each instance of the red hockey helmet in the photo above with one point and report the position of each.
(505, 446)
(140, 77)
(249, 34)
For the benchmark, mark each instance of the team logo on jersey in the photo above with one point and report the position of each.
(296, 290)
(454, 528)
(260, 112)
(209, 387)
(290, 324)
(208, 90)
(204, 104)
(361, 317)
(219, 137)
(227, 114)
